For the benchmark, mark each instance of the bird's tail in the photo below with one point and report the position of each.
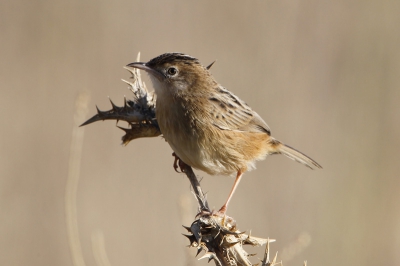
(280, 148)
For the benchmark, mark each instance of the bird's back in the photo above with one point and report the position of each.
(207, 139)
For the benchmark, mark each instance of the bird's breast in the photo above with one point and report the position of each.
(188, 135)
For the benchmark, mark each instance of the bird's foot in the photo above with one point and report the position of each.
(178, 163)
(219, 217)
(223, 209)
(220, 213)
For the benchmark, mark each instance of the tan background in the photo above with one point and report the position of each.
(325, 75)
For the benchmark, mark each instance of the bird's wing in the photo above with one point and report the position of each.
(230, 113)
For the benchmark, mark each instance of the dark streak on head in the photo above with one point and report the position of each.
(171, 58)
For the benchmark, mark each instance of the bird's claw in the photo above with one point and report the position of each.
(178, 163)
(219, 213)
(175, 162)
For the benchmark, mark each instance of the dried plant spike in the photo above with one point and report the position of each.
(98, 111)
(139, 110)
(130, 70)
(199, 249)
(131, 85)
(266, 261)
(210, 65)
(138, 74)
(186, 227)
(125, 105)
(266, 254)
(274, 260)
(114, 107)
(192, 240)
(211, 256)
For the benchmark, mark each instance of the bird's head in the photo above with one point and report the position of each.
(175, 73)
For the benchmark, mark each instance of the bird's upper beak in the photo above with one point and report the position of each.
(145, 67)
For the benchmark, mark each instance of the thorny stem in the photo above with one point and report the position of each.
(201, 199)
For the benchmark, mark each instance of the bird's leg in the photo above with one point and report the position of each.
(237, 180)
(178, 163)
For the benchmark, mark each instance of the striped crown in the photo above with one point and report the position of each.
(171, 58)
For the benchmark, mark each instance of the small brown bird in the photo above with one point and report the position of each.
(207, 126)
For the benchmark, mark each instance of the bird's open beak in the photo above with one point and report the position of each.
(143, 66)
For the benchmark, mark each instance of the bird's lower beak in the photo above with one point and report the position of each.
(143, 66)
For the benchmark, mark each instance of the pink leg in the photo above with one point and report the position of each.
(225, 206)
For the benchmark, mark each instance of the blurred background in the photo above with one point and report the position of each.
(325, 75)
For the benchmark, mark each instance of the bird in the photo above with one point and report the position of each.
(208, 127)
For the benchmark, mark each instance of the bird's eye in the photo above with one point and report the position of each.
(172, 71)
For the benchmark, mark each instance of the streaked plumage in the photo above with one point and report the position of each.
(207, 126)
